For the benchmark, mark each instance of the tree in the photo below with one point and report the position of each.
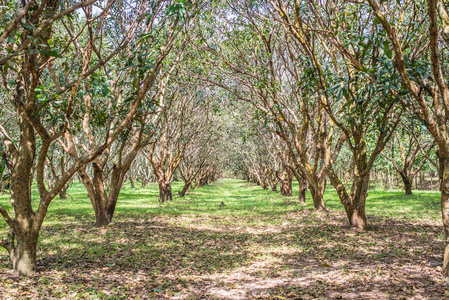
(184, 117)
(127, 79)
(422, 75)
(47, 105)
(413, 151)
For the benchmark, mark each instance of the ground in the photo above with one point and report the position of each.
(259, 246)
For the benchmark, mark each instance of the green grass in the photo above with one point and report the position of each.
(259, 245)
(241, 198)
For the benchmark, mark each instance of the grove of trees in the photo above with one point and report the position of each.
(348, 93)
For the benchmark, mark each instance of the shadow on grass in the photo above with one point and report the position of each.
(310, 254)
(262, 248)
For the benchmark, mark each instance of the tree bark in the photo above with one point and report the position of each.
(285, 182)
(444, 187)
(274, 186)
(318, 195)
(354, 203)
(356, 209)
(165, 192)
(23, 255)
(185, 189)
(286, 188)
(302, 190)
(407, 183)
(101, 217)
(63, 192)
(103, 204)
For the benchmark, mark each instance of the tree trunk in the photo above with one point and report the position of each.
(165, 192)
(356, 209)
(286, 188)
(285, 182)
(144, 181)
(274, 186)
(26, 226)
(184, 190)
(444, 187)
(23, 255)
(131, 180)
(63, 192)
(103, 204)
(263, 184)
(302, 190)
(354, 204)
(102, 217)
(407, 183)
(318, 195)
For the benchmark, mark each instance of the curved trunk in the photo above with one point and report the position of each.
(354, 204)
(263, 184)
(184, 190)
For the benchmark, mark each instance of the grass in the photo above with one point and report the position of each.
(260, 245)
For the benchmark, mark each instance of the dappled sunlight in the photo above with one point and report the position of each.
(191, 248)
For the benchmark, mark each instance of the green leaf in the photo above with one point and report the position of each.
(54, 53)
(387, 50)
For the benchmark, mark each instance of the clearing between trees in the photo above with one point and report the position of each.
(260, 245)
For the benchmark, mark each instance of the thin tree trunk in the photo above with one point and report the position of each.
(302, 190)
(184, 190)
(444, 187)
